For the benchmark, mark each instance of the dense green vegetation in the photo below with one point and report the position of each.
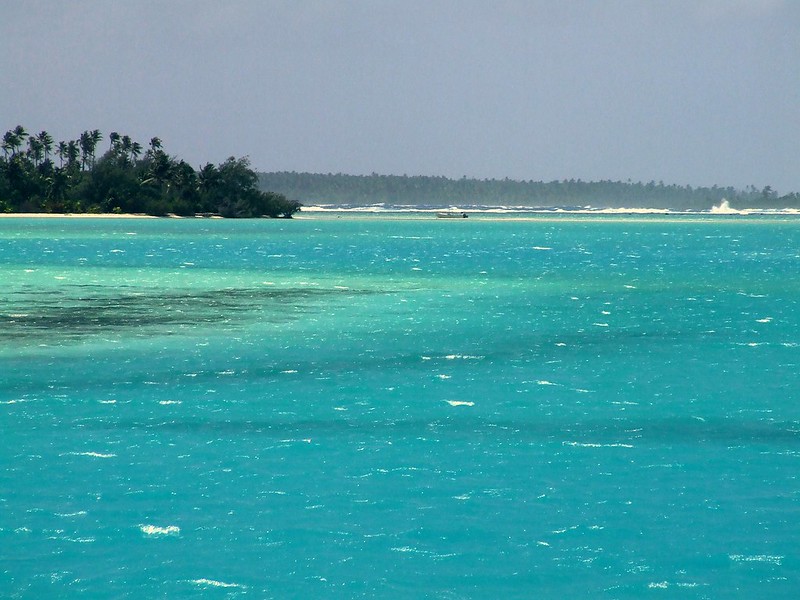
(126, 178)
(314, 188)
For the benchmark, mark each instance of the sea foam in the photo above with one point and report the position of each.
(215, 583)
(154, 530)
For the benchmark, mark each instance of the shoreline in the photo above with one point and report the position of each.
(648, 215)
(79, 216)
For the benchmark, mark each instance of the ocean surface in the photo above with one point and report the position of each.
(568, 406)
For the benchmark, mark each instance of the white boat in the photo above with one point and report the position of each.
(451, 214)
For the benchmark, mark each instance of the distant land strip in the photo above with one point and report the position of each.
(420, 190)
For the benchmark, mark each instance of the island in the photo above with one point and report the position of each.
(39, 176)
(125, 179)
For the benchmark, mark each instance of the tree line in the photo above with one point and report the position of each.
(39, 175)
(318, 188)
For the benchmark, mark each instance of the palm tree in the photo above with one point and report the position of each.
(208, 177)
(155, 147)
(88, 143)
(35, 150)
(61, 150)
(125, 147)
(85, 142)
(73, 152)
(161, 168)
(136, 150)
(95, 136)
(12, 140)
(21, 134)
(46, 140)
(8, 142)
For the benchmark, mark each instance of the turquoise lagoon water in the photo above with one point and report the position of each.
(585, 406)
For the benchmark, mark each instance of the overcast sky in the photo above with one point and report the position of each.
(695, 92)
